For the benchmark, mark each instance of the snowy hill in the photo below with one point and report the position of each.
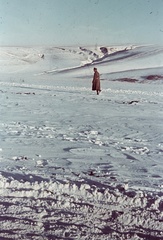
(42, 60)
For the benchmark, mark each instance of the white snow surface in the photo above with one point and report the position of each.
(73, 164)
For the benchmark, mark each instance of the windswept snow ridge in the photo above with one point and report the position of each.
(77, 210)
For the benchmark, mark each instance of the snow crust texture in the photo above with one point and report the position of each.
(77, 210)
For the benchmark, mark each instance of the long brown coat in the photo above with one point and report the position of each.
(96, 82)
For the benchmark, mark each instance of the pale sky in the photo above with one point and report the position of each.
(80, 22)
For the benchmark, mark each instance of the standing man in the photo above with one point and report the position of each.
(96, 82)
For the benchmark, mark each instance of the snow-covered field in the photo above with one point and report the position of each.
(74, 165)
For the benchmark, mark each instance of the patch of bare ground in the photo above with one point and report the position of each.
(131, 80)
(154, 77)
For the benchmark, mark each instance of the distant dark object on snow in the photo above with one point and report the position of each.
(104, 50)
(42, 56)
(131, 102)
(131, 80)
(27, 93)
